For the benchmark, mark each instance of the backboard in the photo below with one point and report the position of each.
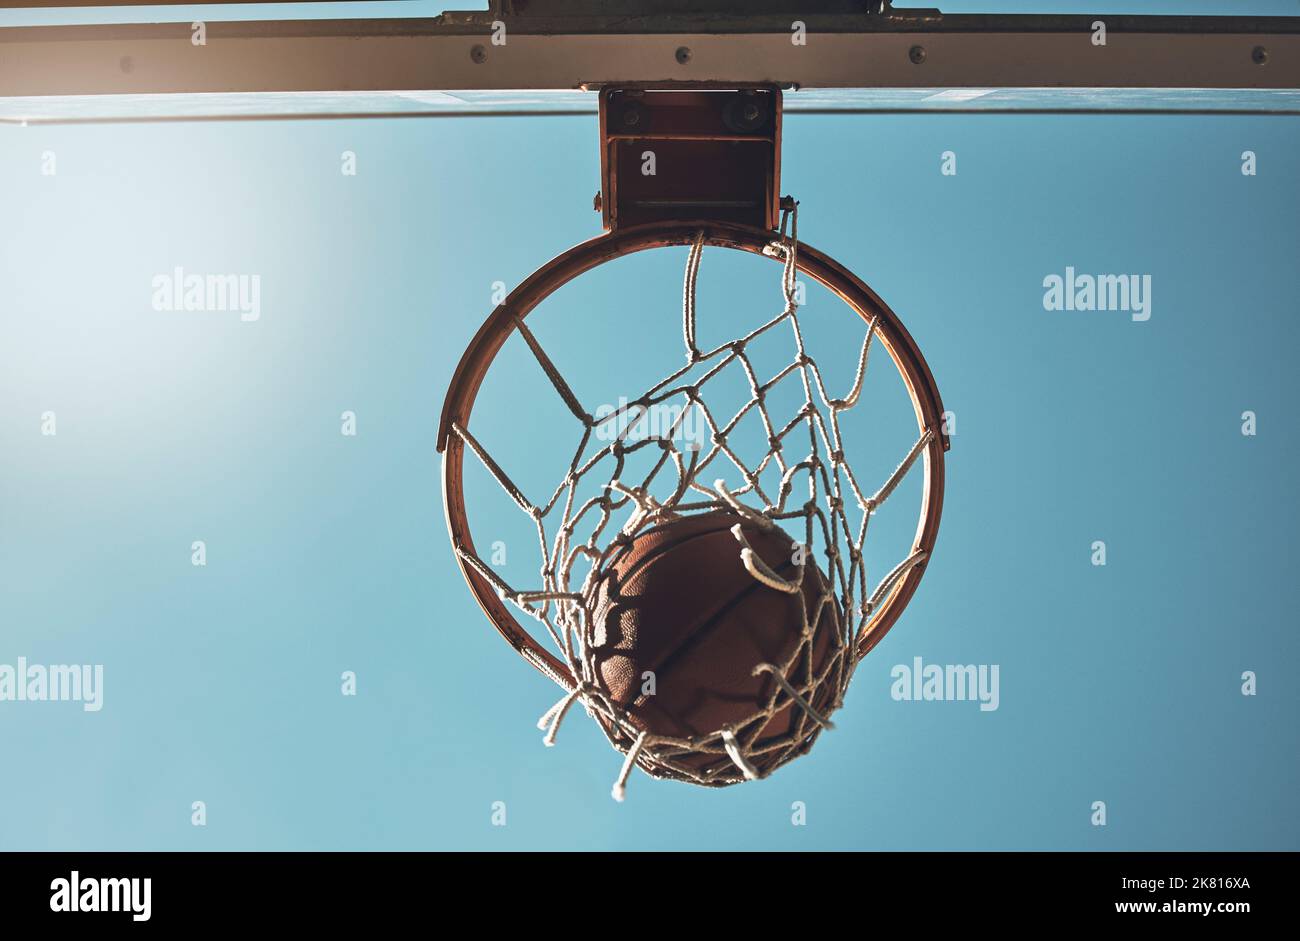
(547, 56)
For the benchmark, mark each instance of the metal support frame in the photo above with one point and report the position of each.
(894, 49)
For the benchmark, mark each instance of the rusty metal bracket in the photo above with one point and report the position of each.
(707, 152)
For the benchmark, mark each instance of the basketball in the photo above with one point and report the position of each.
(678, 602)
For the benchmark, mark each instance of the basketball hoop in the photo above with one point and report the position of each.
(837, 510)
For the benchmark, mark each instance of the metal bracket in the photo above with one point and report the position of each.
(707, 152)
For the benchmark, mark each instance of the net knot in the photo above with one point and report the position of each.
(837, 457)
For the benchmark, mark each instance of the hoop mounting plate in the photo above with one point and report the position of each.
(690, 152)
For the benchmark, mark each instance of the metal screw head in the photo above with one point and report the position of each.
(744, 113)
(478, 54)
(916, 54)
(683, 55)
(126, 64)
(631, 113)
(1259, 55)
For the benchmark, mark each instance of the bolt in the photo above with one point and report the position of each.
(683, 55)
(751, 112)
(478, 54)
(595, 203)
(916, 54)
(631, 117)
(1259, 55)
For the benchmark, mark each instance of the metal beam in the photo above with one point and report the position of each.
(455, 51)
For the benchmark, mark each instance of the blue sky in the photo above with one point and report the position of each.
(329, 553)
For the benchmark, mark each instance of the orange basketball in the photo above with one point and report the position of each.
(678, 602)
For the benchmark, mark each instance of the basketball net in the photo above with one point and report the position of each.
(623, 508)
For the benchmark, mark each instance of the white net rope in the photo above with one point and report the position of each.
(585, 533)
